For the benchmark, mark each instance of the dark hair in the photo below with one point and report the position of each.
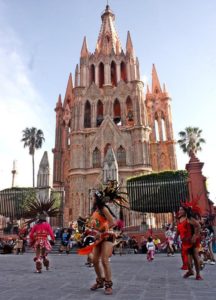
(149, 239)
(100, 203)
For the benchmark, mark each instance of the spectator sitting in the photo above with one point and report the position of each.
(157, 243)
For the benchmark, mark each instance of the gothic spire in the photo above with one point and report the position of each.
(129, 45)
(77, 76)
(108, 39)
(84, 50)
(59, 103)
(43, 172)
(68, 94)
(155, 81)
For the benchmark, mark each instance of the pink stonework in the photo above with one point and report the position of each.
(106, 106)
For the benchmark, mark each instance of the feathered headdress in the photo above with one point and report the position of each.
(113, 194)
(192, 205)
(39, 210)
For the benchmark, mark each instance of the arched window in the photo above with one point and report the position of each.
(156, 131)
(99, 113)
(87, 115)
(117, 112)
(129, 111)
(121, 156)
(92, 74)
(101, 75)
(68, 136)
(163, 129)
(113, 74)
(96, 158)
(123, 71)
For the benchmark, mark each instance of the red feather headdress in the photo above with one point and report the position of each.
(193, 205)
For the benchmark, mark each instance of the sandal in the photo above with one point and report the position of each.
(108, 287)
(198, 277)
(99, 284)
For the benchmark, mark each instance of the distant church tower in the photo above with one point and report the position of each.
(106, 110)
(158, 103)
(43, 178)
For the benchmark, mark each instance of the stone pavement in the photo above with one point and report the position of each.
(133, 276)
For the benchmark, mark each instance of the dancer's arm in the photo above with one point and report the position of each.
(196, 227)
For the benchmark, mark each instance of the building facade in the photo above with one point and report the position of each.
(106, 127)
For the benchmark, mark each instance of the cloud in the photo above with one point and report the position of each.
(21, 106)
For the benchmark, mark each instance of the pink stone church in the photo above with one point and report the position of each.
(106, 126)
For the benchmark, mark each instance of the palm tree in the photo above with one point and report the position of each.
(33, 138)
(191, 140)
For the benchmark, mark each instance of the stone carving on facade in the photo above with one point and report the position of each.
(78, 91)
(110, 166)
(93, 92)
(122, 90)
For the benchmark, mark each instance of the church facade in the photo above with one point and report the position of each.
(106, 127)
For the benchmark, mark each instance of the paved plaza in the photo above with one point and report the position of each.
(133, 277)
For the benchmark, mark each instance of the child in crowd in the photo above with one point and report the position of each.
(150, 249)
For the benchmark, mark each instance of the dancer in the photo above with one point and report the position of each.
(103, 221)
(41, 231)
(189, 231)
(39, 241)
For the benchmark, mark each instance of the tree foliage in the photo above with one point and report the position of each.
(190, 140)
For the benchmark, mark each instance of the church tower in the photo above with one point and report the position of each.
(104, 112)
(158, 103)
(43, 178)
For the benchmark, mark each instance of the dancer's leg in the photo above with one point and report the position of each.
(106, 249)
(98, 270)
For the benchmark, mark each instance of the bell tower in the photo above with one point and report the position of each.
(158, 103)
(104, 120)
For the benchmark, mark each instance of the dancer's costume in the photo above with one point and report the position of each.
(39, 236)
(37, 211)
(100, 225)
(39, 241)
(186, 231)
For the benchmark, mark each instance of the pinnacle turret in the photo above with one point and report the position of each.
(129, 45)
(108, 40)
(156, 87)
(59, 103)
(69, 90)
(84, 50)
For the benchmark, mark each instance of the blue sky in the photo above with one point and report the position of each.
(40, 43)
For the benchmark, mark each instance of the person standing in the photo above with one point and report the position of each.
(150, 249)
(169, 240)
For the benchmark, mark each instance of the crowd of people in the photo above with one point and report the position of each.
(101, 235)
